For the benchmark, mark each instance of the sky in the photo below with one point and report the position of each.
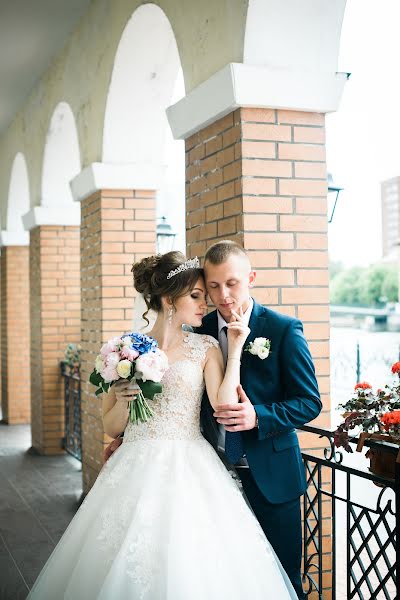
(363, 136)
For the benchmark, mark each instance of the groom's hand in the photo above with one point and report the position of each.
(237, 417)
(111, 448)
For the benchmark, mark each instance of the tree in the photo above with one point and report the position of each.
(360, 286)
(335, 267)
(390, 287)
(346, 287)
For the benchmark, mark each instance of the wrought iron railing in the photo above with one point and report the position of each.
(350, 525)
(72, 441)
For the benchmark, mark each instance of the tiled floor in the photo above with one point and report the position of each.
(39, 495)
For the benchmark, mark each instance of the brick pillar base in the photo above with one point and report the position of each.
(15, 335)
(258, 176)
(118, 227)
(55, 321)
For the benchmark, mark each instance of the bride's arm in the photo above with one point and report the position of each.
(222, 390)
(115, 408)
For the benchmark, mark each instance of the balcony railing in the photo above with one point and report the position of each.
(350, 524)
(72, 441)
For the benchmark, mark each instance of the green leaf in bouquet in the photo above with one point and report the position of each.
(149, 388)
(95, 378)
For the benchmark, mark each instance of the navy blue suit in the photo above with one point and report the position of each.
(284, 392)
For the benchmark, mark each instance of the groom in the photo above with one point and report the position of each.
(277, 394)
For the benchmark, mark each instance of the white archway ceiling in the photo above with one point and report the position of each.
(61, 161)
(291, 34)
(144, 76)
(211, 36)
(18, 195)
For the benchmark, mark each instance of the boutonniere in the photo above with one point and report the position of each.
(260, 347)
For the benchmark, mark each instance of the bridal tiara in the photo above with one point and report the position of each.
(192, 263)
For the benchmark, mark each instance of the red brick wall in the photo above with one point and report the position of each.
(15, 335)
(258, 176)
(55, 321)
(118, 227)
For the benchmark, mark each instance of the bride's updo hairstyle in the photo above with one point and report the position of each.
(150, 278)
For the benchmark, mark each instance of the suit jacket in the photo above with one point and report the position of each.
(284, 392)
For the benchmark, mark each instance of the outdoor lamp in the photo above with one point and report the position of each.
(165, 237)
(333, 195)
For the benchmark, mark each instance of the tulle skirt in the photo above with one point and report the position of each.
(164, 521)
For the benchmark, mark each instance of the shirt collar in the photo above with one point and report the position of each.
(246, 317)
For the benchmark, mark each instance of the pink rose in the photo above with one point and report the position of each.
(110, 346)
(109, 374)
(113, 359)
(129, 353)
(152, 366)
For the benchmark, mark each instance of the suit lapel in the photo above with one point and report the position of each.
(210, 324)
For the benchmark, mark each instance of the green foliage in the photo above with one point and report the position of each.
(371, 285)
(365, 286)
(346, 287)
(390, 286)
(335, 267)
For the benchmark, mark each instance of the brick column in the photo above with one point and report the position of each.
(118, 227)
(258, 176)
(15, 335)
(55, 321)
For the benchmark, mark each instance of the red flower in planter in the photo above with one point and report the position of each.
(363, 385)
(396, 367)
(391, 418)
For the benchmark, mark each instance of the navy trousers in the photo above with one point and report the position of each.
(281, 524)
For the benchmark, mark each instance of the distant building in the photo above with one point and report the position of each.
(390, 198)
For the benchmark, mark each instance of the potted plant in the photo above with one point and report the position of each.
(72, 360)
(377, 416)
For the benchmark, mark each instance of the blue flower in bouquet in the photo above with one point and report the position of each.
(141, 343)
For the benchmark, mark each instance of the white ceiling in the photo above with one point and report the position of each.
(32, 33)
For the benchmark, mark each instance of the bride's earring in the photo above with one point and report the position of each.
(170, 314)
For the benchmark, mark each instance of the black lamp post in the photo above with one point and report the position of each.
(165, 237)
(333, 195)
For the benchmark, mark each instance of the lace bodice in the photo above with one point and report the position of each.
(177, 408)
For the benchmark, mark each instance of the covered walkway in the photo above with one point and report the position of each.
(38, 497)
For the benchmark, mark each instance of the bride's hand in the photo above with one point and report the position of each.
(125, 391)
(237, 331)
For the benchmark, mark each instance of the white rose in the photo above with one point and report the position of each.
(253, 349)
(99, 363)
(260, 342)
(263, 352)
(124, 368)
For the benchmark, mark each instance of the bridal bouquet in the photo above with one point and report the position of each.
(136, 358)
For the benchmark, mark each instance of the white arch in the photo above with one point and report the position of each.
(293, 34)
(18, 194)
(61, 160)
(145, 71)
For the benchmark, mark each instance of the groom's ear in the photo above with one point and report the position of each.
(252, 278)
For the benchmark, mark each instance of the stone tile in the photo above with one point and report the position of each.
(13, 586)
(39, 495)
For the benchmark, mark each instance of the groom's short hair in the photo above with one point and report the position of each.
(219, 252)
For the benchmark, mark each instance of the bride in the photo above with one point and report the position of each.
(165, 520)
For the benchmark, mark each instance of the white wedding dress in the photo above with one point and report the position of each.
(165, 520)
